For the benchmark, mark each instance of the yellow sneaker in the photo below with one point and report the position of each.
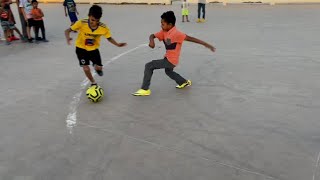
(199, 20)
(188, 83)
(202, 20)
(142, 92)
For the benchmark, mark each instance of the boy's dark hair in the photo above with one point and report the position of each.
(169, 17)
(33, 1)
(95, 11)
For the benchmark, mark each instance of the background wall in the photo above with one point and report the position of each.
(191, 1)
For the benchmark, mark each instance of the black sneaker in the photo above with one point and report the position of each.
(100, 73)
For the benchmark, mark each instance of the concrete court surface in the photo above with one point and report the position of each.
(251, 114)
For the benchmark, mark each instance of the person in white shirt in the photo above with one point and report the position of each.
(201, 6)
(26, 8)
(185, 10)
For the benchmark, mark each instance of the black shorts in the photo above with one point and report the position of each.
(30, 22)
(85, 57)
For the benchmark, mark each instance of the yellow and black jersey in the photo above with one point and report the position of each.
(89, 39)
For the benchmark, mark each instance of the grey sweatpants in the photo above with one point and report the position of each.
(160, 64)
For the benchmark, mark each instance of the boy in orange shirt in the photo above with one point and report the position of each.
(38, 22)
(173, 40)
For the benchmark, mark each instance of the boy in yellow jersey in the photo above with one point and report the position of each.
(88, 41)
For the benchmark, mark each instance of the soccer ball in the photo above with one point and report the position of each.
(95, 93)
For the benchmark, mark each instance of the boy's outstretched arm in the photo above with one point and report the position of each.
(67, 34)
(151, 41)
(42, 15)
(114, 42)
(198, 41)
(65, 11)
(10, 16)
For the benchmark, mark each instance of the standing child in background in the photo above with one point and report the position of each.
(70, 5)
(202, 6)
(26, 8)
(37, 15)
(185, 10)
(4, 17)
(7, 24)
(6, 4)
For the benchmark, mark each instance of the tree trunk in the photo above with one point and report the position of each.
(22, 20)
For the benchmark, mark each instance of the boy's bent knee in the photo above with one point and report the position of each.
(149, 65)
(168, 71)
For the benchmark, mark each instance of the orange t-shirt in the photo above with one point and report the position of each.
(173, 40)
(37, 14)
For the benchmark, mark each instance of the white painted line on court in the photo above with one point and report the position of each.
(179, 151)
(71, 122)
(71, 119)
(316, 167)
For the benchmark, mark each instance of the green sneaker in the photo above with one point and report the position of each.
(142, 92)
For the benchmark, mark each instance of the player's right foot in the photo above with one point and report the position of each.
(199, 20)
(188, 83)
(142, 92)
